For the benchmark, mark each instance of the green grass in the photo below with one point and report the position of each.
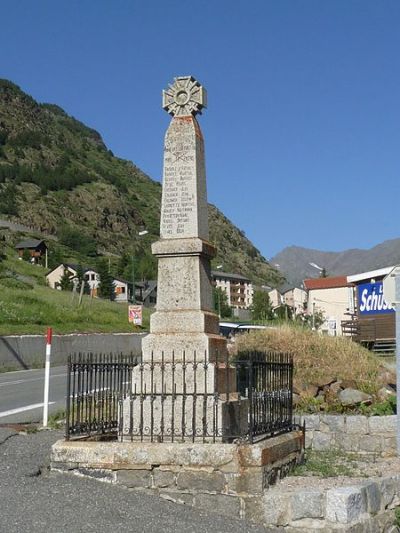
(328, 464)
(31, 311)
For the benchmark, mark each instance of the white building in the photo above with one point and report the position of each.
(239, 289)
(333, 297)
(122, 288)
(296, 299)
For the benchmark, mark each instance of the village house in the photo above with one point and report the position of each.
(296, 299)
(37, 250)
(333, 297)
(238, 289)
(122, 288)
(275, 298)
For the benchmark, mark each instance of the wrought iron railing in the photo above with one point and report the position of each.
(180, 398)
(266, 379)
(96, 383)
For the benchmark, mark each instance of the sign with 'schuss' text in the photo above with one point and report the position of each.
(371, 300)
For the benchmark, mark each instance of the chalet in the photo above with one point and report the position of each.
(122, 288)
(146, 293)
(37, 249)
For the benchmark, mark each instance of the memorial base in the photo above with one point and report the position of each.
(229, 479)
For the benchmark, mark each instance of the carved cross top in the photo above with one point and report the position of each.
(184, 97)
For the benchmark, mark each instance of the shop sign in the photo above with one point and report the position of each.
(371, 300)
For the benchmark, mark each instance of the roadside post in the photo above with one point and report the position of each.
(391, 293)
(47, 377)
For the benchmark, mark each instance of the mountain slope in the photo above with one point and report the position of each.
(57, 175)
(295, 261)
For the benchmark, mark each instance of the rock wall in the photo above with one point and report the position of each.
(351, 433)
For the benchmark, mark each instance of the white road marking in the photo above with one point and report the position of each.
(19, 381)
(22, 409)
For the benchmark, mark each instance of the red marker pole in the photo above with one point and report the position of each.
(47, 377)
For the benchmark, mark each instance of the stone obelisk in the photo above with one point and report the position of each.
(184, 320)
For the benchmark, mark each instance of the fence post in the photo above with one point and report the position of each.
(47, 377)
(251, 414)
(68, 403)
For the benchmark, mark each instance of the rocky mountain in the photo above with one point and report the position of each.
(294, 261)
(57, 175)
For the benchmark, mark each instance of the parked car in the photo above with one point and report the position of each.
(230, 329)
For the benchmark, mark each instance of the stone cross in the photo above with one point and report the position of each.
(184, 319)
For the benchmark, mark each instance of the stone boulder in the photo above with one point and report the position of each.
(350, 397)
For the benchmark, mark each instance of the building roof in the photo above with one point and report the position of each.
(369, 275)
(219, 274)
(326, 283)
(29, 243)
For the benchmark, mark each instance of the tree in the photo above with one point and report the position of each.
(221, 304)
(26, 255)
(80, 277)
(66, 281)
(261, 308)
(106, 286)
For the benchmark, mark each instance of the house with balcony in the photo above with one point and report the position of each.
(239, 289)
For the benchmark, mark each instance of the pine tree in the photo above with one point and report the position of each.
(106, 286)
(66, 281)
(261, 308)
(221, 304)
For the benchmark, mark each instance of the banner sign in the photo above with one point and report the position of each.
(135, 314)
(371, 300)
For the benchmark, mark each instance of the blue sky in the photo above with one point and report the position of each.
(302, 125)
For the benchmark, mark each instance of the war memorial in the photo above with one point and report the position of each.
(185, 422)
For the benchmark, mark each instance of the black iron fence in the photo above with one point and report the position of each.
(266, 379)
(180, 398)
(96, 384)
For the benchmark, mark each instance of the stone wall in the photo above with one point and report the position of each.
(351, 433)
(366, 506)
(229, 479)
(19, 352)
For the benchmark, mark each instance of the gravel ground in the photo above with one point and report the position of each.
(34, 500)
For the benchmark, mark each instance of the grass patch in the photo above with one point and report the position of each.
(318, 359)
(328, 464)
(57, 419)
(30, 311)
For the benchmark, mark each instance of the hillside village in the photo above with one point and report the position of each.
(335, 306)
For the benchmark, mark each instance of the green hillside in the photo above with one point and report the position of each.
(28, 306)
(57, 176)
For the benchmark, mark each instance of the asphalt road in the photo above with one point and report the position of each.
(21, 394)
(33, 499)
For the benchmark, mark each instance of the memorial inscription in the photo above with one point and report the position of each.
(181, 195)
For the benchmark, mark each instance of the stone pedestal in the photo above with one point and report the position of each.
(184, 320)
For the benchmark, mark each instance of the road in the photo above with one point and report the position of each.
(35, 500)
(21, 394)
